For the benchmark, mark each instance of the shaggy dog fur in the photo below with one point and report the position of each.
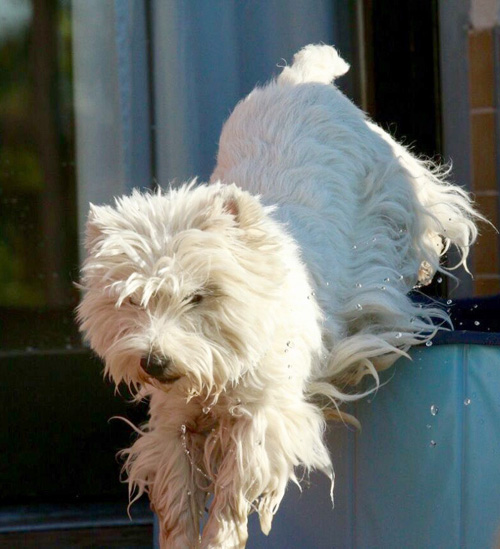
(244, 309)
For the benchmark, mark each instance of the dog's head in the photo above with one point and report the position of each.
(181, 287)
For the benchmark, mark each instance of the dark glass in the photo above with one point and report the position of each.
(38, 221)
(56, 444)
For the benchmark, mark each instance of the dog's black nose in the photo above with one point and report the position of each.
(158, 367)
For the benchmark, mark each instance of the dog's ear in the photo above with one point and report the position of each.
(231, 207)
(245, 208)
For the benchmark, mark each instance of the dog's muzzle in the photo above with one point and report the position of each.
(159, 368)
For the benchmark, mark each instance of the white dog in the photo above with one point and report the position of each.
(246, 308)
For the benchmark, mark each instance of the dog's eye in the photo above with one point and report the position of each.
(194, 299)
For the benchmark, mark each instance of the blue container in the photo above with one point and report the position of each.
(424, 472)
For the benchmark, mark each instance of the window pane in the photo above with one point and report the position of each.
(38, 252)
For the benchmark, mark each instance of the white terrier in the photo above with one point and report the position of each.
(244, 309)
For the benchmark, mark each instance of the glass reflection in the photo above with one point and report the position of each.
(38, 255)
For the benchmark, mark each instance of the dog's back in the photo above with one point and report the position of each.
(371, 220)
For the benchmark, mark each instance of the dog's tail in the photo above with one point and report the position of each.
(314, 63)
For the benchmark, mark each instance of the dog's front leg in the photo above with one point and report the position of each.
(161, 463)
(176, 496)
(245, 474)
(258, 453)
(226, 527)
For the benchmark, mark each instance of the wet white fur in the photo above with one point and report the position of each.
(314, 228)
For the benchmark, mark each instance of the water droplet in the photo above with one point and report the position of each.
(467, 401)
(328, 284)
(449, 302)
(428, 343)
(183, 429)
(189, 492)
(313, 293)
(206, 409)
(401, 277)
(432, 443)
(359, 307)
(358, 285)
(382, 288)
(434, 410)
(475, 306)
(439, 280)
(289, 344)
(476, 323)
(429, 426)
(374, 239)
(354, 247)
(399, 335)
(387, 279)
